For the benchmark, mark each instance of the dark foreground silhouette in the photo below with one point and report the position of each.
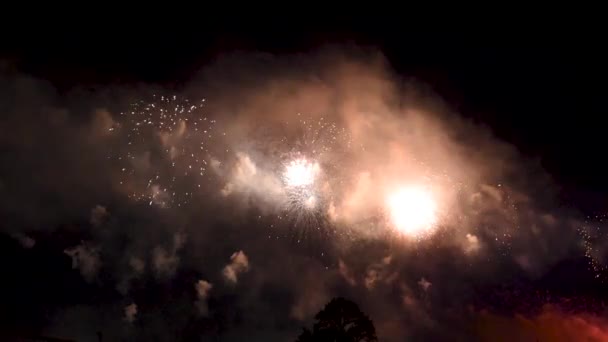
(340, 321)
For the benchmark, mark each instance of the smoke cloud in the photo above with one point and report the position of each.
(24, 240)
(86, 259)
(130, 312)
(164, 262)
(238, 264)
(202, 292)
(98, 214)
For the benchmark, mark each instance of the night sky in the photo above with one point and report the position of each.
(146, 193)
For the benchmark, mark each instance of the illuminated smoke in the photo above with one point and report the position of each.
(239, 263)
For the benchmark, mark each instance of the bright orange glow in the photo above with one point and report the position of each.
(412, 210)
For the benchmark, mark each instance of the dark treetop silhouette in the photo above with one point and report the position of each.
(340, 321)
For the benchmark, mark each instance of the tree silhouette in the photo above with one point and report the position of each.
(340, 321)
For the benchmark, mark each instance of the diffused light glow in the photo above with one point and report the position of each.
(412, 210)
(300, 172)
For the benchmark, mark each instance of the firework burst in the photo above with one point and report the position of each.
(312, 159)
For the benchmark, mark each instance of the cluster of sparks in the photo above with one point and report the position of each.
(185, 134)
(312, 156)
(591, 234)
(299, 178)
(317, 136)
(301, 173)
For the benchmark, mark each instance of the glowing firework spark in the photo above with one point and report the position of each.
(300, 172)
(412, 211)
(299, 178)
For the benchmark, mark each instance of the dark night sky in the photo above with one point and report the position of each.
(538, 87)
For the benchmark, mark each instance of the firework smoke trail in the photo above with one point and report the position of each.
(168, 147)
